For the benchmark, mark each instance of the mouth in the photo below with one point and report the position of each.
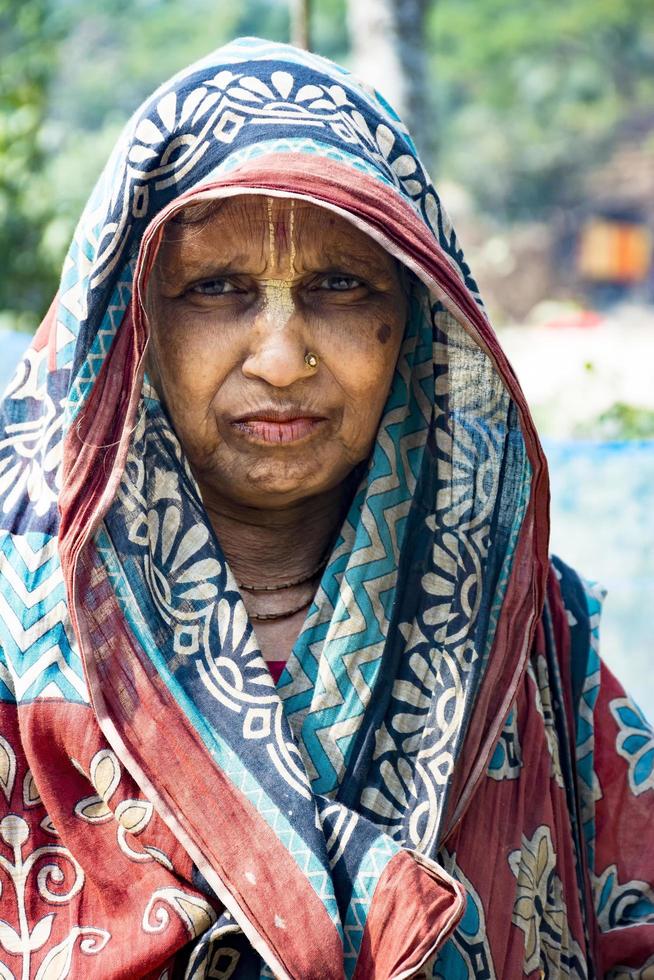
(275, 426)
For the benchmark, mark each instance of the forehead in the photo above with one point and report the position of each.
(258, 226)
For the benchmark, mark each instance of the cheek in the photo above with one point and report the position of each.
(189, 368)
(384, 333)
(365, 376)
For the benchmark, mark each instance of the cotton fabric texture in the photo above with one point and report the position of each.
(445, 782)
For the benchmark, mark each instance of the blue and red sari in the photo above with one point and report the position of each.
(444, 781)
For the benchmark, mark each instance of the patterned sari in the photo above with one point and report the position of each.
(444, 782)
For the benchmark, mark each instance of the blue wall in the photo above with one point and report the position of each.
(603, 525)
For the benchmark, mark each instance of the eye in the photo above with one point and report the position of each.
(339, 283)
(214, 287)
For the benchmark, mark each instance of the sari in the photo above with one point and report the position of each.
(444, 781)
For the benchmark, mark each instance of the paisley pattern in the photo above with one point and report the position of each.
(329, 824)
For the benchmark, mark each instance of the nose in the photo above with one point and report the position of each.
(277, 342)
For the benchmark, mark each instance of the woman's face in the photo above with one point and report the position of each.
(236, 300)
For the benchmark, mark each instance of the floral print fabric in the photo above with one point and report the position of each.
(444, 781)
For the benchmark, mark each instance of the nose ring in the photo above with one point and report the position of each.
(311, 360)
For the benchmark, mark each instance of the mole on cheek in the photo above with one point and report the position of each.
(383, 333)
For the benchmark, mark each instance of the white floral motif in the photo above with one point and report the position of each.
(621, 904)
(185, 580)
(540, 911)
(539, 674)
(174, 134)
(646, 972)
(59, 878)
(131, 815)
(31, 452)
(57, 963)
(196, 914)
(422, 736)
(7, 768)
(635, 743)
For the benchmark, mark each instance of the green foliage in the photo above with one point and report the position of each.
(29, 33)
(530, 94)
(71, 73)
(118, 52)
(329, 30)
(526, 95)
(621, 421)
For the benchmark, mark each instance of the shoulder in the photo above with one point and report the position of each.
(582, 598)
(578, 602)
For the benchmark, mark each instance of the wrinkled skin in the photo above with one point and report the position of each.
(241, 291)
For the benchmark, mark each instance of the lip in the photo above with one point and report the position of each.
(277, 426)
(273, 413)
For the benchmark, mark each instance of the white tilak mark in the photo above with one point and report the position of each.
(278, 301)
(251, 877)
(291, 234)
(279, 922)
(271, 231)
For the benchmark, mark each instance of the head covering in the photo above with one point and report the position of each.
(288, 825)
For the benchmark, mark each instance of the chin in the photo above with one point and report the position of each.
(274, 495)
(272, 483)
(275, 486)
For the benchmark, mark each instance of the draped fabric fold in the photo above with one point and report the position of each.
(170, 809)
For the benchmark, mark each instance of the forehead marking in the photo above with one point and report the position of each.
(291, 232)
(281, 234)
(271, 230)
(278, 303)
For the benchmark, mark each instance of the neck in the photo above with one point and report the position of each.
(273, 547)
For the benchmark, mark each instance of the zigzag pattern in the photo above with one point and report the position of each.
(309, 146)
(317, 875)
(328, 720)
(585, 748)
(39, 659)
(83, 383)
(123, 201)
(363, 889)
(72, 308)
(231, 765)
(207, 115)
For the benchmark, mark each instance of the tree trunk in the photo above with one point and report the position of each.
(300, 24)
(388, 47)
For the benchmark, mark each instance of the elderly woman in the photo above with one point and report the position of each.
(289, 686)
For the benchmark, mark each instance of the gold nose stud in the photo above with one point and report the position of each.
(311, 360)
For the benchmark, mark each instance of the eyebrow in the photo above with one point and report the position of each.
(200, 266)
(329, 263)
(339, 260)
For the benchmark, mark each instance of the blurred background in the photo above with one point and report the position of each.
(536, 121)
